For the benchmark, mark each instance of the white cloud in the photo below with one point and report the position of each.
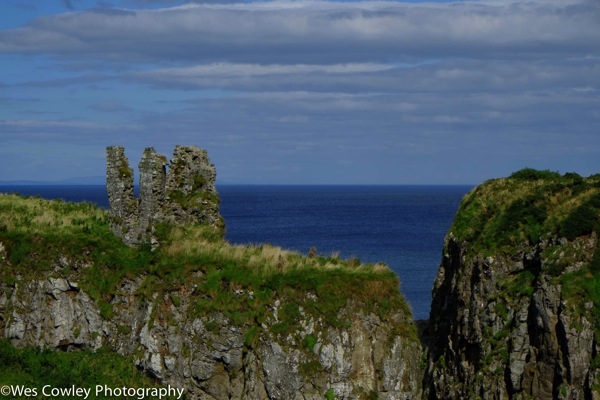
(49, 124)
(386, 84)
(444, 77)
(296, 31)
(240, 70)
(297, 77)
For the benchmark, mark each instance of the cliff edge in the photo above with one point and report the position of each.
(516, 301)
(195, 312)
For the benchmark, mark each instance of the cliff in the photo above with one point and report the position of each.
(515, 311)
(190, 309)
(516, 301)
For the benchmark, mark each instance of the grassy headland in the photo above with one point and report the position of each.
(531, 206)
(41, 238)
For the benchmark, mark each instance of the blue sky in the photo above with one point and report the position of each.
(366, 92)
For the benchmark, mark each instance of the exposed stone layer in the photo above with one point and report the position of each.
(501, 327)
(180, 192)
(209, 354)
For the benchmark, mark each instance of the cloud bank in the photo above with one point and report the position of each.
(317, 91)
(313, 31)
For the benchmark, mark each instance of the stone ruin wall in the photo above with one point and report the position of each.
(178, 192)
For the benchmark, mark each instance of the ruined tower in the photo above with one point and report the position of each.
(123, 209)
(178, 192)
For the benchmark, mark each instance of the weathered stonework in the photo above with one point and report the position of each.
(180, 192)
(123, 205)
(190, 188)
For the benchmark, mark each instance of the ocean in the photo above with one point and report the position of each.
(401, 226)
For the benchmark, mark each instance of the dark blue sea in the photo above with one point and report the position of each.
(402, 226)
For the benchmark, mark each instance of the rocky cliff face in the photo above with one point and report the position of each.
(220, 321)
(515, 311)
(515, 302)
(210, 355)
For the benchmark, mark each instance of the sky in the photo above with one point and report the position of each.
(302, 92)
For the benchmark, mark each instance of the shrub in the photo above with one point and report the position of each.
(582, 221)
(106, 309)
(252, 336)
(573, 176)
(531, 174)
(330, 395)
(529, 213)
(519, 285)
(594, 201)
(310, 342)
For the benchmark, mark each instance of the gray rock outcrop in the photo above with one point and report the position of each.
(124, 211)
(211, 356)
(511, 316)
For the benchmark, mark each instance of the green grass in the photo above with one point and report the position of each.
(530, 175)
(583, 220)
(34, 368)
(241, 282)
(519, 285)
(526, 206)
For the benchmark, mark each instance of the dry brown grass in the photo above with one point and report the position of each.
(193, 241)
(35, 215)
(39, 216)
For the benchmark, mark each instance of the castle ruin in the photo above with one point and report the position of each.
(178, 192)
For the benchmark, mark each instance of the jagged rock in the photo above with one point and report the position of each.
(366, 357)
(191, 190)
(502, 324)
(534, 347)
(58, 314)
(185, 194)
(152, 169)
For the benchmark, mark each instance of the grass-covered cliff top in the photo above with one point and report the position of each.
(531, 206)
(527, 206)
(74, 239)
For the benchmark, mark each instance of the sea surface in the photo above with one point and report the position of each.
(401, 226)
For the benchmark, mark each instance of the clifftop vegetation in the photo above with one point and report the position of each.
(531, 206)
(195, 281)
(527, 206)
(37, 234)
